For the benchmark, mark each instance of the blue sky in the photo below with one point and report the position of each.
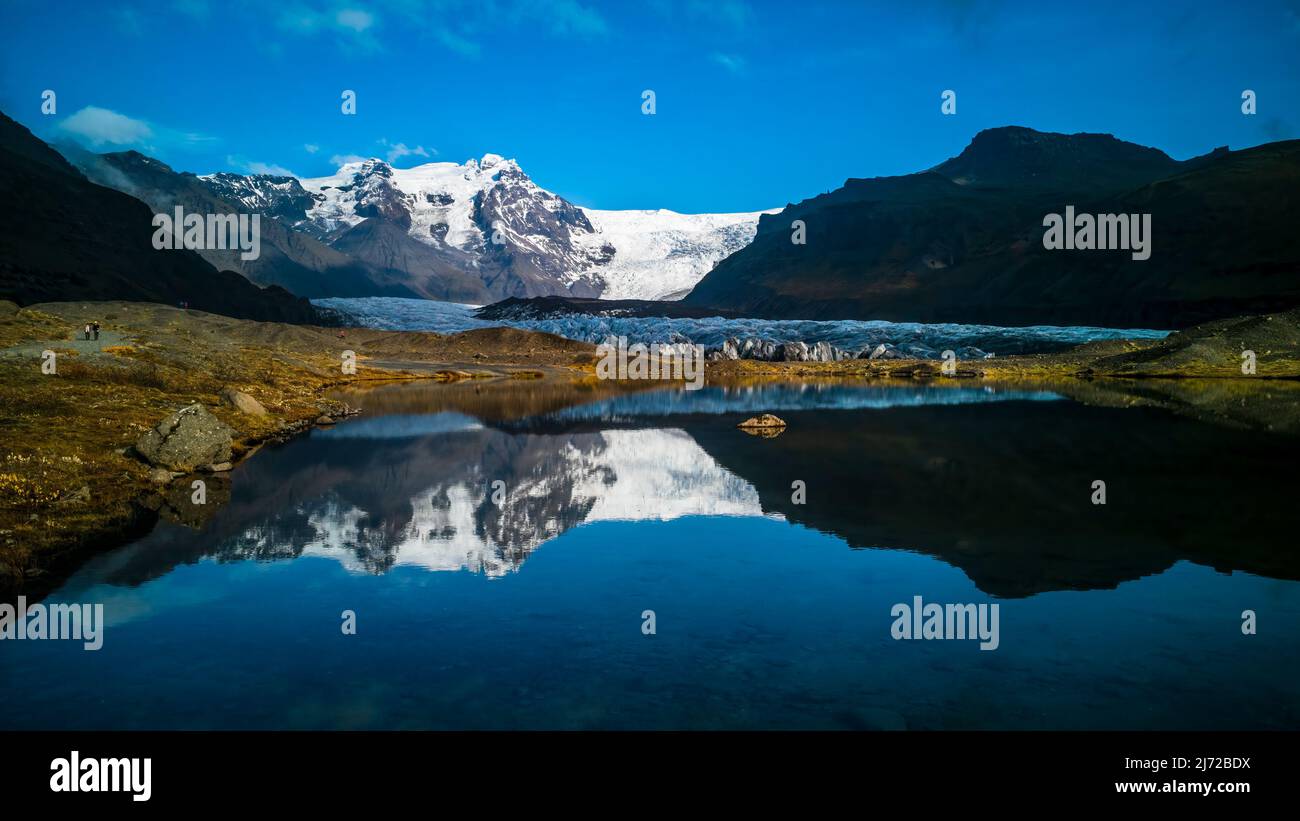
(758, 103)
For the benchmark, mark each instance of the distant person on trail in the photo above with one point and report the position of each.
(95, 327)
(87, 330)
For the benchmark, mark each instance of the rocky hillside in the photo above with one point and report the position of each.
(295, 261)
(962, 242)
(62, 237)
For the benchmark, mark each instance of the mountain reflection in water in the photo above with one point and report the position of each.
(770, 613)
(996, 482)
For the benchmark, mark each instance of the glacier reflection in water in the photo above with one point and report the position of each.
(630, 475)
(568, 480)
(1122, 617)
(416, 489)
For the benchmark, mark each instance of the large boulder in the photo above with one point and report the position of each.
(764, 350)
(730, 350)
(884, 350)
(826, 352)
(793, 352)
(186, 439)
(242, 402)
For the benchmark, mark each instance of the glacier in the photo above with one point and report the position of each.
(914, 339)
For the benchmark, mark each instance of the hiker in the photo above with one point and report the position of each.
(95, 327)
(87, 332)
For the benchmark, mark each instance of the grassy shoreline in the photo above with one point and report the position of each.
(70, 484)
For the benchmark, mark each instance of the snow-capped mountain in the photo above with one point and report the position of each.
(274, 196)
(485, 217)
(482, 230)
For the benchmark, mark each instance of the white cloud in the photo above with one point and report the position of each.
(311, 148)
(344, 159)
(355, 19)
(253, 167)
(100, 126)
(461, 45)
(398, 150)
(354, 26)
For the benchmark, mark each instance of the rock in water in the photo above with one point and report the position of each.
(767, 421)
(242, 402)
(186, 439)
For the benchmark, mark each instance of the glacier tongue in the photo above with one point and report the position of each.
(662, 254)
(912, 339)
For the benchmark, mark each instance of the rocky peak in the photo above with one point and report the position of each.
(1022, 157)
(275, 196)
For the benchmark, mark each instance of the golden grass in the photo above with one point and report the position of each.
(73, 429)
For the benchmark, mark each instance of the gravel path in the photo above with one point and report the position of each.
(83, 347)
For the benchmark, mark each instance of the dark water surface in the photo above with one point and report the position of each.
(768, 613)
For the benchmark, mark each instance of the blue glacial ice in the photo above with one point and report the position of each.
(911, 338)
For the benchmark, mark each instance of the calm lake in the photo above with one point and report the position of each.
(769, 610)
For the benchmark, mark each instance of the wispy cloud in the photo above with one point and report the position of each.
(398, 150)
(254, 167)
(353, 27)
(731, 62)
(463, 46)
(311, 148)
(566, 18)
(733, 14)
(102, 127)
(198, 9)
(723, 16)
(356, 19)
(462, 26)
(344, 159)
